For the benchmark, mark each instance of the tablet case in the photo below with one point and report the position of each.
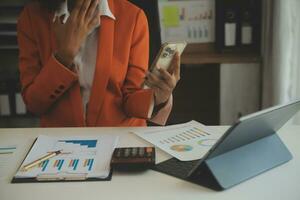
(247, 149)
(231, 168)
(34, 180)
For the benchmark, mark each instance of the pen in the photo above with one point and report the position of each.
(38, 161)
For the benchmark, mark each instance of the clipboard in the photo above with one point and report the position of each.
(62, 177)
(48, 180)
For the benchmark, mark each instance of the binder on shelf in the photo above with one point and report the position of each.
(20, 105)
(247, 27)
(11, 100)
(5, 106)
(251, 24)
(8, 24)
(238, 25)
(230, 27)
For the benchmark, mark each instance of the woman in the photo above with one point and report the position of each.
(82, 63)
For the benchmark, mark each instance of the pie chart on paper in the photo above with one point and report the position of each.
(181, 148)
(207, 142)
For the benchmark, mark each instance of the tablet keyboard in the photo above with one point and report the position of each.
(175, 167)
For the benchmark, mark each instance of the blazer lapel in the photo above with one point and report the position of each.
(102, 71)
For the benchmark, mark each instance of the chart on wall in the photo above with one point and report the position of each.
(188, 141)
(191, 20)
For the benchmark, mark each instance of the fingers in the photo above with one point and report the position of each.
(87, 12)
(91, 11)
(154, 82)
(176, 71)
(95, 20)
(172, 65)
(83, 10)
(77, 7)
(168, 78)
(162, 90)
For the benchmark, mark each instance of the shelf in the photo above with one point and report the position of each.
(8, 19)
(8, 33)
(214, 58)
(19, 122)
(12, 4)
(9, 47)
(196, 54)
(23, 116)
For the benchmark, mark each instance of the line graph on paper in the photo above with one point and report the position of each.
(189, 141)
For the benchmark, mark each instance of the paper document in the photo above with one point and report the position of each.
(81, 156)
(6, 154)
(186, 142)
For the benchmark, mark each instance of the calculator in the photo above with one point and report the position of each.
(133, 158)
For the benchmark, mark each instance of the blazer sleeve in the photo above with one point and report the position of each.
(162, 115)
(137, 100)
(42, 85)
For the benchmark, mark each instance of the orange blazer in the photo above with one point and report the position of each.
(51, 91)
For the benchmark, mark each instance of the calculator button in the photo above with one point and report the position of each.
(118, 153)
(127, 152)
(141, 152)
(149, 149)
(134, 152)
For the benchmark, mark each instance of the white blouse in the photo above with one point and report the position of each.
(85, 60)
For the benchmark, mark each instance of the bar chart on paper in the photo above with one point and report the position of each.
(81, 156)
(77, 157)
(189, 141)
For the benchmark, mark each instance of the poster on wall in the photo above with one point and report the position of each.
(191, 20)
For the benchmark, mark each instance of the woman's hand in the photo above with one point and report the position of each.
(164, 84)
(71, 35)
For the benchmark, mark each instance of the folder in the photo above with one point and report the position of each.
(82, 158)
(4, 105)
(20, 105)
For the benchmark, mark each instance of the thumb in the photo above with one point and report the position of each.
(174, 64)
(176, 70)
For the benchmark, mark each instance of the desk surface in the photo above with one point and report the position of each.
(279, 183)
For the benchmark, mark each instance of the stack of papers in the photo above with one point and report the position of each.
(186, 142)
(6, 155)
(81, 158)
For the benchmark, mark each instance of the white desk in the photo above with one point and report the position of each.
(282, 183)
